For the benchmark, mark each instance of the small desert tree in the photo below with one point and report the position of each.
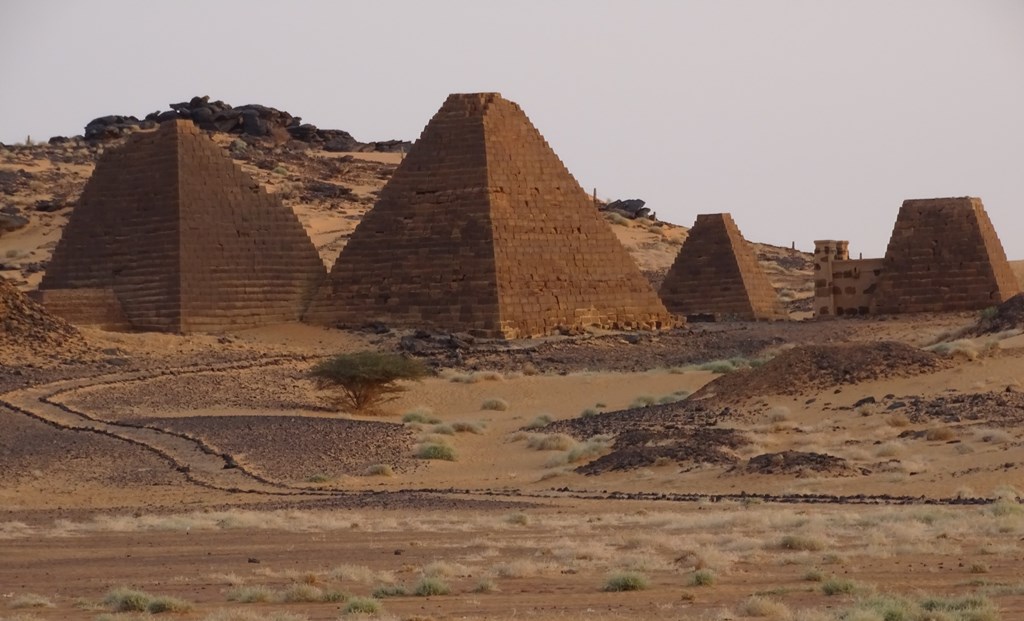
(366, 379)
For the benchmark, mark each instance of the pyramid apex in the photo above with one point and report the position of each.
(471, 104)
(178, 126)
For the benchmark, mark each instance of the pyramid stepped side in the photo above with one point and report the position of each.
(423, 256)
(559, 265)
(123, 235)
(716, 273)
(944, 255)
(246, 260)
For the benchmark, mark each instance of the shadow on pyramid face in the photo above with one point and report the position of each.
(170, 234)
(482, 229)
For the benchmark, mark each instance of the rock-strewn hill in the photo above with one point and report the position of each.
(249, 120)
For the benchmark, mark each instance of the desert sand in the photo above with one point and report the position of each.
(207, 476)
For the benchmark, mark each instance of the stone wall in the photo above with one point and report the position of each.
(185, 239)
(843, 286)
(482, 229)
(944, 255)
(716, 274)
(99, 308)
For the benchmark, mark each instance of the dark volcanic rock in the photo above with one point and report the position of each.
(800, 463)
(249, 120)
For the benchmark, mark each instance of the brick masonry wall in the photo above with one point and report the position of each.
(944, 255)
(85, 307)
(246, 260)
(185, 239)
(482, 229)
(716, 273)
(123, 233)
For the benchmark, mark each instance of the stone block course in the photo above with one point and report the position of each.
(483, 229)
(185, 239)
(717, 273)
(944, 255)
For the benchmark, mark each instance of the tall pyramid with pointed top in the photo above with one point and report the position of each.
(170, 234)
(944, 255)
(483, 229)
(716, 273)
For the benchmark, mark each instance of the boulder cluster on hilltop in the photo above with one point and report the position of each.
(249, 120)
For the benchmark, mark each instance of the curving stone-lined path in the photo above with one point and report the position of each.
(200, 463)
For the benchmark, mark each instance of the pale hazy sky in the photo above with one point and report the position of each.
(806, 119)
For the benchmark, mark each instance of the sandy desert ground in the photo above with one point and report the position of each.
(860, 470)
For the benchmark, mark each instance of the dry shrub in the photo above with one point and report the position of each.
(550, 442)
(899, 419)
(939, 434)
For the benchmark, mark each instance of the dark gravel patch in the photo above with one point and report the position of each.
(819, 367)
(31, 449)
(1003, 408)
(800, 464)
(681, 445)
(295, 448)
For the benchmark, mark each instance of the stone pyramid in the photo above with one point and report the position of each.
(170, 234)
(716, 273)
(944, 255)
(483, 229)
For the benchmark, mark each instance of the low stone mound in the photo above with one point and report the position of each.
(1003, 408)
(299, 448)
(800, 463)
(1007, 316)
(27, 326)
(680, 445)
(818, 367)
(682, 433)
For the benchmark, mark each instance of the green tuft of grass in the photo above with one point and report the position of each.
(430, 586)
(363, 605)
(720, 367)
(251, 594)
(435, 451)
(462, 426)
(542, 420)
(423, 416)
(702, 577)
(496, 404)
(123, 599)
(166, 603)
(586, 450)
(838, 586)
(302, 593)
(390, 590)
(626, 581)
(517, 519)
(801, 543)
(550, 442)
(485, 586)
(443, 429)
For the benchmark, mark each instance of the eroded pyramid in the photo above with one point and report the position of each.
(170, 234)
(944, 255)
(483, 229)
(716, 273)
